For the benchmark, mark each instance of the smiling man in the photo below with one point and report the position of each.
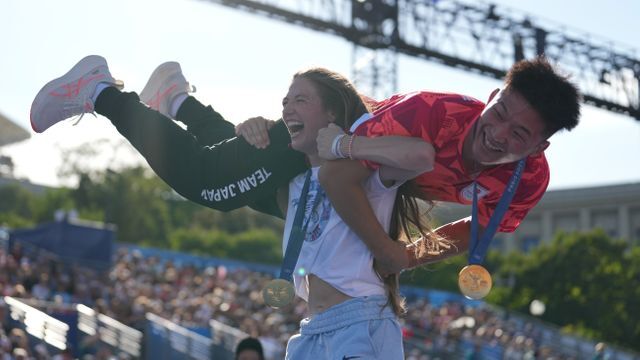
(474, 143)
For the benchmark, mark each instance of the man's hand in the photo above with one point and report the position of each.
(325, 139)
(255, 131)
(392, 259)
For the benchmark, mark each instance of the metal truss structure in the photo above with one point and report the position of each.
(477, 37)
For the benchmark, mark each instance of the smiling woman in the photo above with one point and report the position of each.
(305, 114)
(335, 275)
(314, 100)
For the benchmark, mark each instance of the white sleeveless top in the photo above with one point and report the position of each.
(331, 250)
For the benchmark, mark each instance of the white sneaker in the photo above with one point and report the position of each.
(165, 83)
(70, 94)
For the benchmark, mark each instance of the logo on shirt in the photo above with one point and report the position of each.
(241, 186)
(467, 192)
(317, 212)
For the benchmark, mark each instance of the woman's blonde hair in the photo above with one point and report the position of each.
(337, 93)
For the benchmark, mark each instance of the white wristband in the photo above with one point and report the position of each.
(335, 147)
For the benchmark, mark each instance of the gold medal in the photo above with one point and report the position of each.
(278, 293)
(474, 282)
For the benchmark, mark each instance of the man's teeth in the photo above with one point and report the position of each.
(489, 145)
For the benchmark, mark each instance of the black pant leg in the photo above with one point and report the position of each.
(206, 124)
(226, 176)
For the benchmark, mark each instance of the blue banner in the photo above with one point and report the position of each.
(78, 242)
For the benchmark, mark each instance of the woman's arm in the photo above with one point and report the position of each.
(404, 153)
(342, 180)
(457, 233)
(400, 152)
(402, 158)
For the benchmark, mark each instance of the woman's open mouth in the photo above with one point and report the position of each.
(295, 127)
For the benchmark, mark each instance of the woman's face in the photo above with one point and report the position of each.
(304, 114)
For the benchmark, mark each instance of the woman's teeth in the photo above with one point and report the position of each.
(295, 127)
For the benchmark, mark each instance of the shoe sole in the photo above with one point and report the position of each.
(161, 73)
(83, 67)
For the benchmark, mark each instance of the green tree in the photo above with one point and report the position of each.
(235, 221)
(632, 281)
(441, 276)
(201, 242)
(255, 245)
(582, 278)
(16, 206)
(52, 200)
(132, 199)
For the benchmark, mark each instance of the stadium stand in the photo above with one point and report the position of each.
(156, 304)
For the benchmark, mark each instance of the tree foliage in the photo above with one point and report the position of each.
(442, 275)
(147, 212)
(588, 281)
(255, 245)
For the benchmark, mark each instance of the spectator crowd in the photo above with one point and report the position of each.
(191, 296)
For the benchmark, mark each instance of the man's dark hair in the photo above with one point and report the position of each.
(250, 343)
(552, 95)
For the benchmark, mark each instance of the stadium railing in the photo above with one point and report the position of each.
(118, 336)
(37, 323)
(225, 338)
(167, 340)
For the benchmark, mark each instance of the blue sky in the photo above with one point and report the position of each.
(242, 65)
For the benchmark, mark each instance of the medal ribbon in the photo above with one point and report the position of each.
(296, 236)
(478, 248)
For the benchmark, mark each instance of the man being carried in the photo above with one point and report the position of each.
(472, 143)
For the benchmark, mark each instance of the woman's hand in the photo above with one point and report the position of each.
(393, 259)
(255, 131)
(325, 139)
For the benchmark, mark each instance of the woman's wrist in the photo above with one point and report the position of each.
(346, 145)
(336, 147)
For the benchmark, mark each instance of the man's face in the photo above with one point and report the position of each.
(508, 130)
(304, 114)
